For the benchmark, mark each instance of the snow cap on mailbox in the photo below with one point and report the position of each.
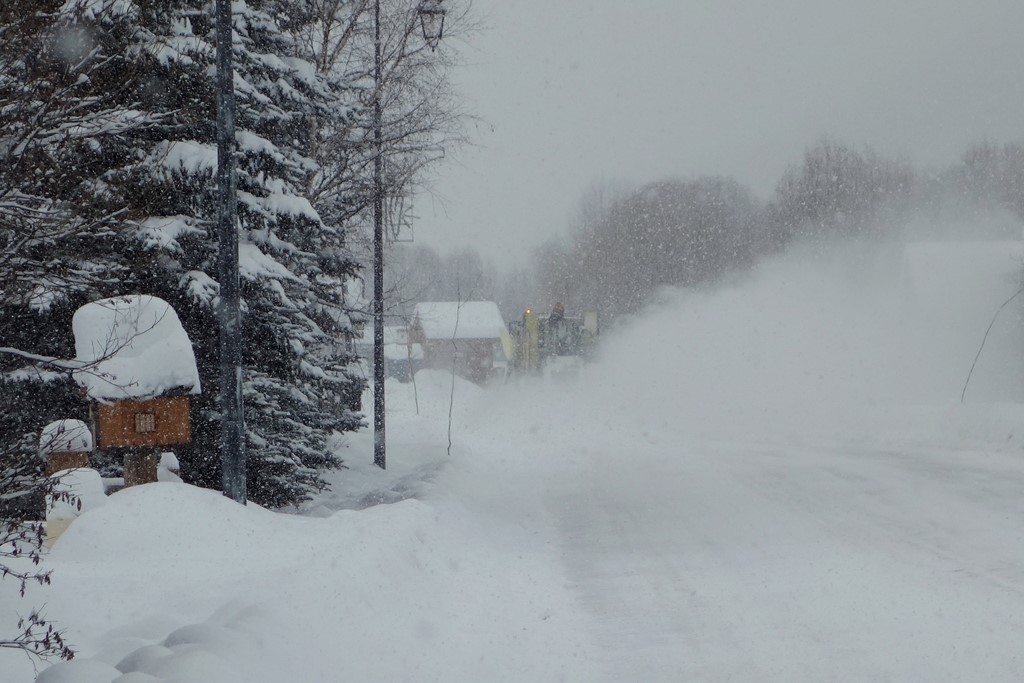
(136, 348)
(65, 436)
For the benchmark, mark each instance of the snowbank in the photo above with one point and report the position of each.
(410, 591)
(86, 488)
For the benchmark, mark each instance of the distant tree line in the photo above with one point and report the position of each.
(627, 243)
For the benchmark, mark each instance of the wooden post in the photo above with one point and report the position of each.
(65, 460)
(139, 467)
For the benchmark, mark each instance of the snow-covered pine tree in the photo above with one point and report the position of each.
(143, 72)
(58, 247)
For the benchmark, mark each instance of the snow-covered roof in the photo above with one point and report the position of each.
(65, 435)
(460, 320)
(139, 348)
(392, 335)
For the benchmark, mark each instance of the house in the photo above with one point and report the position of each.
(401, 358)
(470, 336)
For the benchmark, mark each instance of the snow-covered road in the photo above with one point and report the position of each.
(751, 564)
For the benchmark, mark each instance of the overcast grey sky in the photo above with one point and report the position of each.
(577, 91)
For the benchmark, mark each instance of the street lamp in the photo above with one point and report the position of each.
(431, 15)
(432, 21)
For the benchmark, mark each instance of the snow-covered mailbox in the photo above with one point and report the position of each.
(66, 444)
(140, 374)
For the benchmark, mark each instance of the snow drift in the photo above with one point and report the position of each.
(803, 343)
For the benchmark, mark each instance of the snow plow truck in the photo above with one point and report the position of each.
(543, 341)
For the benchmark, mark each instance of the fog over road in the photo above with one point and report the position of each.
(774, 480)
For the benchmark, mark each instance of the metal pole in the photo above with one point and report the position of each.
(232, 423)
(379, 458)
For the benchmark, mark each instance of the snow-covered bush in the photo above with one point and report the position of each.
(24, 487)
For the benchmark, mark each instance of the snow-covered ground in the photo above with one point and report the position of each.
(771, 480)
